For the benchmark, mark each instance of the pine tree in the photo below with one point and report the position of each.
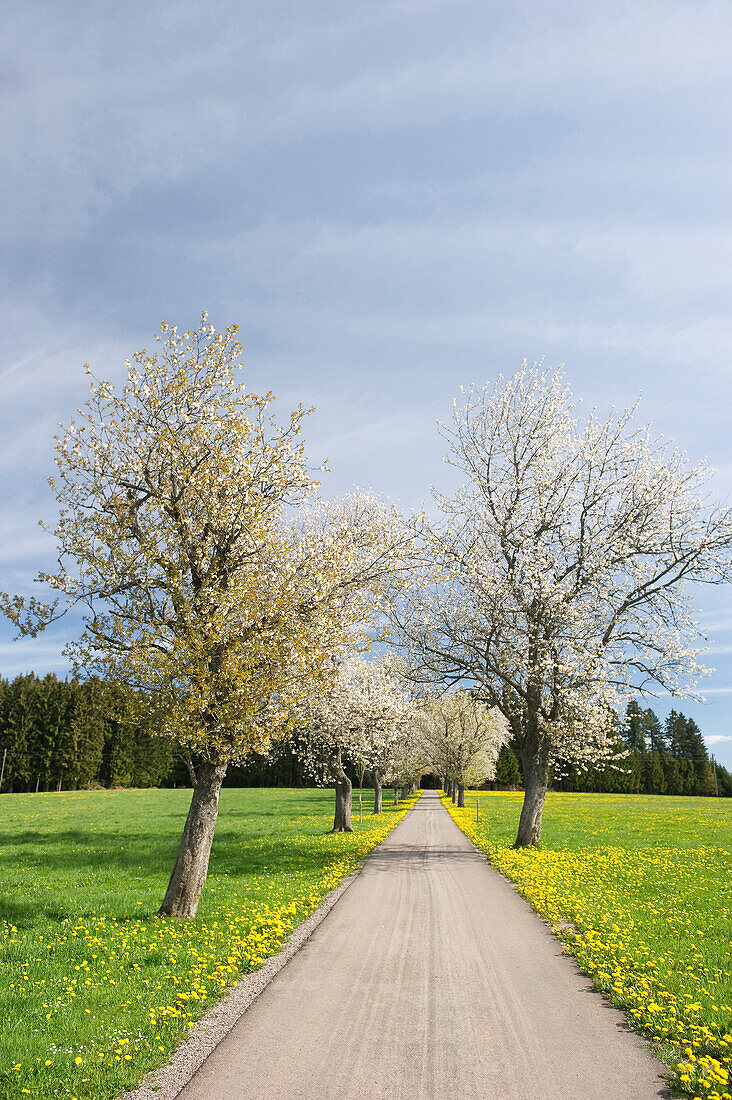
(675, 735)
(635, 772)
(19, 726)
(634, 729)
(699, 757)
(675, 774)
(508, 773)
(655, 779)
(654, 733)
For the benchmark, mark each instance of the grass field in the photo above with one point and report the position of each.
(640, 889)
(96, 989)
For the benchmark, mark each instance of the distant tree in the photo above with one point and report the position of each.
(406, 762)
(673, 774)
(654, 732)
(122, 726)
(655, 777)
(635, 763)
(4, 689)
(53, 731)
(462, 738)
(686, 746)
(699, 757)
(388, 716)
(22, 730)
(634, 731)
(722, 778)
(84, 742)
(133, 755)
(53, 763)
(674, 731)
(360, 712)
(153, 761)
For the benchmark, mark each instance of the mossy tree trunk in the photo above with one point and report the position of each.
(191, 864)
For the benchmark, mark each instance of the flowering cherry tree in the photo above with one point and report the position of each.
(362, 713)
(406, 760)
(390, 720)
(177, 539)
(462, 737)
(557, 578)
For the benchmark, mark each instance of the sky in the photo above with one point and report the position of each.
(392, 199)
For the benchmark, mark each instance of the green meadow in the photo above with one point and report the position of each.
(640, 889)
(96, 989)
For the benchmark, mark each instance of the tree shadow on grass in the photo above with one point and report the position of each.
(145, 856)
(23, 913)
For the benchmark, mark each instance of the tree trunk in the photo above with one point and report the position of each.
(343, 800)
(453, 791)
(396, 795)
(191, 865)
(191, 770)
(461, 797)
(535, 756)
(378, 793)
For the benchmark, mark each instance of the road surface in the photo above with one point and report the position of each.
(430, 978)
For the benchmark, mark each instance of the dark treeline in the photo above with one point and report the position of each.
(71, 734)
(659, 759)
(67, 734)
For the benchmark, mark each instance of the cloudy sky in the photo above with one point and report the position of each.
(392, 198)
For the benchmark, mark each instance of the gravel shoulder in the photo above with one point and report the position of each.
(206, 1034)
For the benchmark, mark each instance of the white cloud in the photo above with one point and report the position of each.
(716, 622)
(457, 279)
(518, 68)
(669, 264)
(716, 738)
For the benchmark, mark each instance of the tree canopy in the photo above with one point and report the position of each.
(203, 580)
(556, 579)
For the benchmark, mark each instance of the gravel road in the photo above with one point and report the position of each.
(429, 979)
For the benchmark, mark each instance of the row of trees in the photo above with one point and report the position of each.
(668, 758)
(215, 581)
(555, 579)
(68, 734)
(371, 716)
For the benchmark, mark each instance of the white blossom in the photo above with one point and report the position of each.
(557, 578)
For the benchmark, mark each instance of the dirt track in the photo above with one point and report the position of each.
(429, 979)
